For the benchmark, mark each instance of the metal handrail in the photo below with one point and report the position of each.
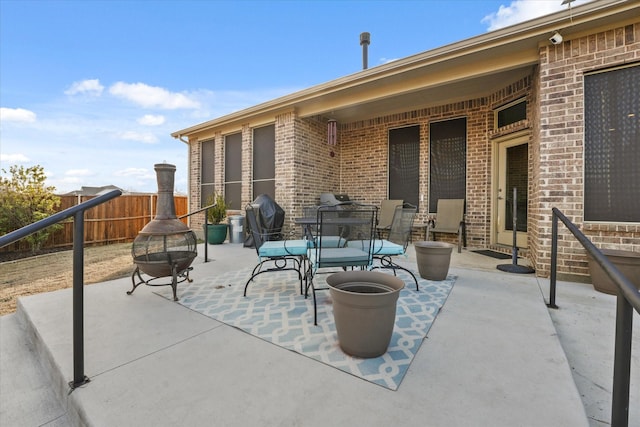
(628, 299)
(206, 208)
(77, 212)
(206, 222)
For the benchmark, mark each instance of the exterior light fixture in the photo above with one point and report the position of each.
(332, 132)
(556, 38)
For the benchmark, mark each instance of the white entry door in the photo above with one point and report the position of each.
(512, 172)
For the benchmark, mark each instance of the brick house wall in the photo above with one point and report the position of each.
(306, 166)
(561, 136)
(364, 147)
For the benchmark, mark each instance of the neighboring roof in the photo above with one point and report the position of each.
(93, 191)
(464, 70)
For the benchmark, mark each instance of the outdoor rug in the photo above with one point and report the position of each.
(492, 254)
(275, 311)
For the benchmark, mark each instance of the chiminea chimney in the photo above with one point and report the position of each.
(365, 39)
(165, 247)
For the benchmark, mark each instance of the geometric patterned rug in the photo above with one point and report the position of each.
(274, 311)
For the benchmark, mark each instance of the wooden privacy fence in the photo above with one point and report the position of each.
(117, 221)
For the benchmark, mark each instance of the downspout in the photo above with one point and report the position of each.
(179, 137)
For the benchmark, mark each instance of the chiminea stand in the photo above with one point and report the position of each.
(176, 277)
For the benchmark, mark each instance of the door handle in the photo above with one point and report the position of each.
(500, 198)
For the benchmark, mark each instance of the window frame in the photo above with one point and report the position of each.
(264, 177)
(502, 108)
(398, 190)
(208, 157)
(233, 170)
(451, 194)
(619, 161)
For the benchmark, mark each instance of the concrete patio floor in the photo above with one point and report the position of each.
(495, 356)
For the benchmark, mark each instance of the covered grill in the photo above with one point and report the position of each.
(165, 247)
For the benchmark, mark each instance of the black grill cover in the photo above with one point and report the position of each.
(270, 219)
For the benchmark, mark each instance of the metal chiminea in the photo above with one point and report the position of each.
(165, 247)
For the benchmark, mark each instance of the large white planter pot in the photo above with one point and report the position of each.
(364, 309)
(433, 259)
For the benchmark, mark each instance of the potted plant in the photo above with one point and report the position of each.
(216, 232)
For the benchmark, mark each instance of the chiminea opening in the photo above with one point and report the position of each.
(165, 247)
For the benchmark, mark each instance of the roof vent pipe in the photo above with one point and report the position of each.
(365, 39)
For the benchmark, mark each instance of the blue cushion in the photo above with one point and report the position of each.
(380, 247)
(331, 241)
(339, 257)
(283, 248)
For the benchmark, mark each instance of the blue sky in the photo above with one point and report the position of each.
(91, 89)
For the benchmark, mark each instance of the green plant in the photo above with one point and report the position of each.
(24, 199)
(218, 212)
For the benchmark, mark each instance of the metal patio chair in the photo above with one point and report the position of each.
(330, 248)
(281, 254)
(384, 250)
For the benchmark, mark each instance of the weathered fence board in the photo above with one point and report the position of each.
(116, 221)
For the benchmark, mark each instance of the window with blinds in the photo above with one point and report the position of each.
(404, 164)
(612, 145)
(264, 161)
(207, 172)
(233, 171)
(447, 161)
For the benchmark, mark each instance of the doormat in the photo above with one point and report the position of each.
(492, 254)
(274, 311)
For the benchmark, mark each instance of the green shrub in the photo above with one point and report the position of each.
(24, 200)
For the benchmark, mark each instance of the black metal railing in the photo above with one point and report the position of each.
(77, 212)
(206, 223)
(628, 300)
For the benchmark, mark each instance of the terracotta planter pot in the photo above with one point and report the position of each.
(627, 262)
(433, 259)
(364, 309)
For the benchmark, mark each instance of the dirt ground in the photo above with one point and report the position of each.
(53, 271)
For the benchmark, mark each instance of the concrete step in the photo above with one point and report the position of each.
(27, 395)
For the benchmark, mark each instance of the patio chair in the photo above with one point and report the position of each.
(385, 217)
(330, 248)
(449, 219)
(282, 254)
(398, 240)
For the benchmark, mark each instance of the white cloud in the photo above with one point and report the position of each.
(88, 87)
(13, 158)
(17, 115)
(147, 138)
(77, 172)
(67, 181)
(135, 173)
(152, 96)
(524, 10)
(151, 120)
